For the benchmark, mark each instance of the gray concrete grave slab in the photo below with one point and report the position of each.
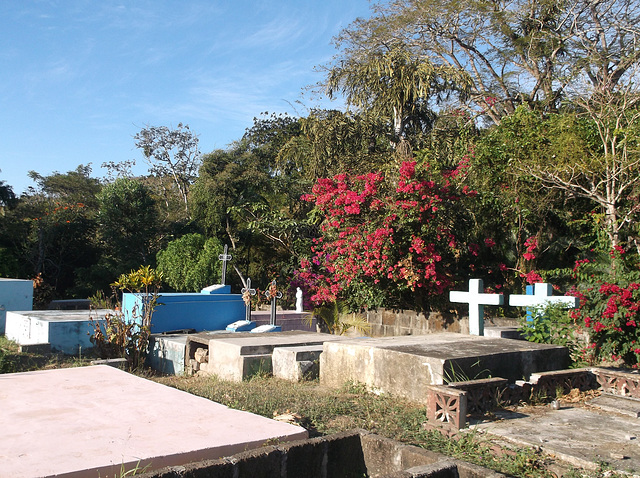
(66, 331)
(617, 404)
(237, 356)
(296, 363)
(89, 421)
(576, 435)
(407, 365)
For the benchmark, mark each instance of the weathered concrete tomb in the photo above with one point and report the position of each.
(236, 356)
(352, 453)
(407, 366)
(66, 331)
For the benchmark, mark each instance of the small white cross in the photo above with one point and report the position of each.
(542, 297)
(224, 257)
(476, 300)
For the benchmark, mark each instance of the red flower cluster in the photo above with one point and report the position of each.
(370, 237)
(531, 244)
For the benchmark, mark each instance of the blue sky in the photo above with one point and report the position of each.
(79, 78)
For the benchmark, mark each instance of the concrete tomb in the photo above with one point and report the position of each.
(167, 353)
(407, 365)
(66, 331)
(477, 299)
(296, 363)
(95, 421)
(15, 294)
(207, 310)
(236, 356)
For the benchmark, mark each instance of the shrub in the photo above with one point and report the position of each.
(130, 339)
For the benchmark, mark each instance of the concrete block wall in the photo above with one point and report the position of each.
(393, 322)
(352, 453)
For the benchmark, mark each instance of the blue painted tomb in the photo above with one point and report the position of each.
(211, 309)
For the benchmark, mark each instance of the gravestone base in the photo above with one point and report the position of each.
(506, 332)
(406, 366)
(297, 363)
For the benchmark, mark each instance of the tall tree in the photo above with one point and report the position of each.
(524, 52)
(7, 197)
(171, 153)
(51, 230)
(395, 85)
(332, 142)
(127, 217)
(190, 263)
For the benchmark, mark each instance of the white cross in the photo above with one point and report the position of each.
(224, 257)
(542, 297)
(476, 300)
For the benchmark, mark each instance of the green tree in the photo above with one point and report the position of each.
(73, 186)
(171, 153)
(190, 263)
(565, 155)
(128, 220)
(50, 230)
(528, 52)
(331, 142)
(7, 197)
(396, 86)
(247, 199)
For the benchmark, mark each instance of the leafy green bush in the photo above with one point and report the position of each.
(190, 262)
(120, 337)
(554, 324)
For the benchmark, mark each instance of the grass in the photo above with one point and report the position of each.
(13, 361)
(324, 411)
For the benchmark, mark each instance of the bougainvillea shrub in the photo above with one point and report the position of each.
(609, 309)
(401, 239)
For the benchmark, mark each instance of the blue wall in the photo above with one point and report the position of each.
(15, 295)
(199, 311)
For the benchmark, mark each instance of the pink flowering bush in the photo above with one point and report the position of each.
(391, 240)
(609, 310)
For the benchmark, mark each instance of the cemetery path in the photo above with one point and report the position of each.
(579, 434)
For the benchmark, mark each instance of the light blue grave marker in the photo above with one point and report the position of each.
(476, 300)
(541, 297)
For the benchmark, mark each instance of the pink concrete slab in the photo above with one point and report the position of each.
(89, 421)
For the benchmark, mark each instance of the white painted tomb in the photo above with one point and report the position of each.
(91, 421)
(476, 299)
(15, 294)
(65, 330)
